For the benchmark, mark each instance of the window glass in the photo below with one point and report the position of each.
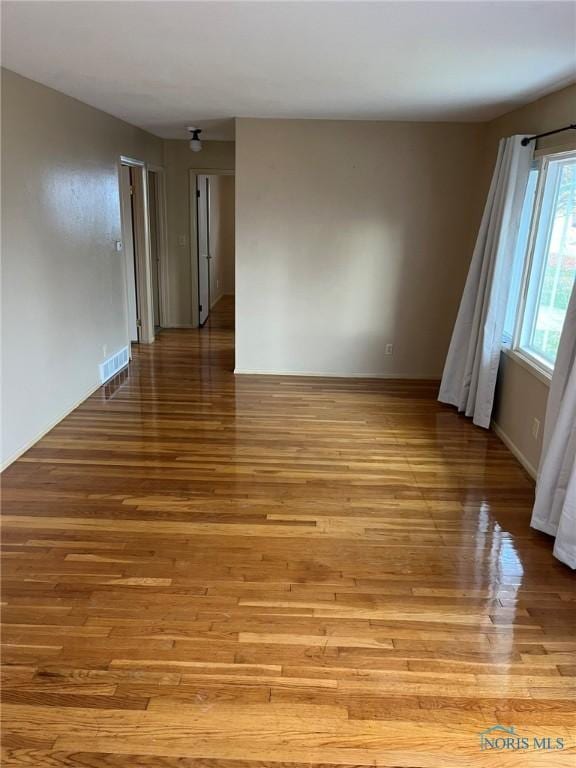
(553, 265)
(520, 255)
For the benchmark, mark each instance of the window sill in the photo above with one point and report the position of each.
(530, 365)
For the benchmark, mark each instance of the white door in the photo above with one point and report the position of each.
(203, 218)
(126, 201)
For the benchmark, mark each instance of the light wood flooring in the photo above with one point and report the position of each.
(210, 571)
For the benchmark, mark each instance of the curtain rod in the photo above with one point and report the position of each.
(527, 140)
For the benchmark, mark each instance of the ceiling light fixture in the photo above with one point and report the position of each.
(195, 143)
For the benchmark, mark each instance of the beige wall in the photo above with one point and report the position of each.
(350, 236)
(222, 224)
(521, 396)
(182, 288)
(63, 294)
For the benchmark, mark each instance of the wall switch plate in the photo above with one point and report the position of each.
(118, 245)
(182, 240)
(388, 349)
(535, 428)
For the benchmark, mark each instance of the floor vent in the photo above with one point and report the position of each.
(114, 364)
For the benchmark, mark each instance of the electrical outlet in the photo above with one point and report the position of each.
(388, 349)
(535, 428)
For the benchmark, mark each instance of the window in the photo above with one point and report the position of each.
(520, 255)
(545, 261)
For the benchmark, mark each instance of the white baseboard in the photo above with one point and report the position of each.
(223, 295)
(332, 375)
(216, 300)
(6, 463)
(513, 448)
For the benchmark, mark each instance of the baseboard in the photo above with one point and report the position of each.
(515, 451)
(332, 375)
(215, 301)
(5, 464)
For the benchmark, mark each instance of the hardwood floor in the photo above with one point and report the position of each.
(210, 571)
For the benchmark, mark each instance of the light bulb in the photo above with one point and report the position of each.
(195, 143)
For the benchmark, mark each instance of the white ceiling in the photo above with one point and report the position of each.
(165, 65)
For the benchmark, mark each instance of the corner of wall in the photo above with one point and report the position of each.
(514, 450)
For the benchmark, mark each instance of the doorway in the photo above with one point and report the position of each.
(212, 218)
(204, 258)
(142, 205)
(127, 188)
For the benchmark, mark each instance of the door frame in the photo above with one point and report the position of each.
(161, 209)
(192, 186)
(140, 213)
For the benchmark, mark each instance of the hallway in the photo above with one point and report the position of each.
(275, 571)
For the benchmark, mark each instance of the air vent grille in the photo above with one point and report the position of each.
(114, 364)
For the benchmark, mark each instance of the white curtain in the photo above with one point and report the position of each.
(469, 378)
(555, 505)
